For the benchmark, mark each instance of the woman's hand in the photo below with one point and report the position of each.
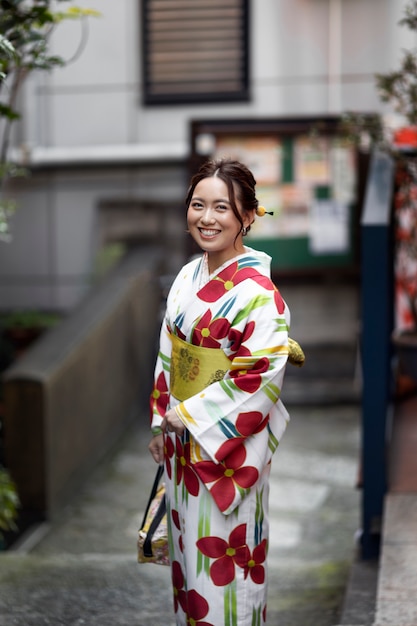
(156, 448)
(172, 423)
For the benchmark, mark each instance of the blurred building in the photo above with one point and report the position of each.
(107, 137)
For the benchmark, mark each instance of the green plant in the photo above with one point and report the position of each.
(399, 88)
(28, 319)
(9, 503)
(26, 27)
(6, 53)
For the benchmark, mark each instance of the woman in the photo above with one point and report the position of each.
(216, 413)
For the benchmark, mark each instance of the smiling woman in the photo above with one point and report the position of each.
(213, 223)
(217, 417)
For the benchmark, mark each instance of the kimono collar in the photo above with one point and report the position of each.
(253, 258)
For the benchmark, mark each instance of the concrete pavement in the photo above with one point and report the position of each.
(83, 570)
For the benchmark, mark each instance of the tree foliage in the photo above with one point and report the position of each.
(399, 87)
(26, 27)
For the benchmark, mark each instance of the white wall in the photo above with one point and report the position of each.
(56, 231)
(97, 100)
(308, 57)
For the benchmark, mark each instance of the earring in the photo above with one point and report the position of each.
(244, 230)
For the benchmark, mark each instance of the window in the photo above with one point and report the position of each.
(195, 51)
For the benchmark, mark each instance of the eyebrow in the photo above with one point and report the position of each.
(217, 200)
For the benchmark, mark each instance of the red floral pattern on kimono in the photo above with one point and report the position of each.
(207, 332)
(217, 473)
(227, 476)
(227, 554)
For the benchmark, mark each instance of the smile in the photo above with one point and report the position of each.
(208, 233)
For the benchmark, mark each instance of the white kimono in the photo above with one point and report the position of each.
(217, 473)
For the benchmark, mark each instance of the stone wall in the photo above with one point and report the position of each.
(70, 396)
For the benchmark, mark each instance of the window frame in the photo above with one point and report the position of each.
(205, 97)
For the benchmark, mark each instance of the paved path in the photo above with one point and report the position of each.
(84, 571)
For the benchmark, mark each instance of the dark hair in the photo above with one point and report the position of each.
(239, 180)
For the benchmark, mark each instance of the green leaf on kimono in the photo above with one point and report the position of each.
(185, 492)
(255, 303)
(166, 361)
(214, 410)
(256, 616)
(228, 386)
(273, 442)
(259, 516)
(262, 352)
(230, 604)
(242, 492)
(272, 391)
(281, 324)
(203, 563)
(225, 425)
(204, 516)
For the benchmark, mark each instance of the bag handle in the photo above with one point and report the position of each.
(147, 545)
(158, 477)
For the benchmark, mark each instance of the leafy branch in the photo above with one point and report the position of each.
(26, 27)
(399, 87)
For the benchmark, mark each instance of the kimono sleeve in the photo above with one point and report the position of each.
(159, 399)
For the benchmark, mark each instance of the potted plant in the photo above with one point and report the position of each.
(21, 328)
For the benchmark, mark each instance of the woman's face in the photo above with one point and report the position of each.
(212, 222)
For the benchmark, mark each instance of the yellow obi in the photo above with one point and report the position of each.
(193, 368)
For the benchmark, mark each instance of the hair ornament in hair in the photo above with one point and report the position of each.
(261, 211)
